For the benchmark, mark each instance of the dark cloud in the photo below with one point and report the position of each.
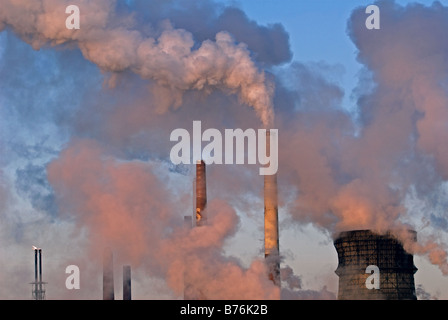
(268, 43)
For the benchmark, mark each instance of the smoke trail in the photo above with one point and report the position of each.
(114, 42)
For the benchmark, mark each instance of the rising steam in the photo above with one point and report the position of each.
(115, 44)
(357, 175)
(90, 174)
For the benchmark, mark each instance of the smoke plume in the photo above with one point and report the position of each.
(86, 114)
(115, 43)
(112, 199)
(356, 172)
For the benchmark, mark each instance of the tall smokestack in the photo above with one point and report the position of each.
(201, 194)
(271, 239)
(127, 283)
(108, 275)
(200, 199)
(40, 270)
(357, 250)
(38, 285)
(35, 267)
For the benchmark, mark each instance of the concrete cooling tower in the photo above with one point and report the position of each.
(374, 267)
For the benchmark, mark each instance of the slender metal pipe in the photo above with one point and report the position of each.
(40, 274)
(127, 283)
(108, 275)
(201, 194)
(35, 265)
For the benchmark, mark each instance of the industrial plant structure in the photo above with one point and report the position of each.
(38, 286)
(201, 194)
(359, 249)
(271, 234)
(127, 294)
(108, 275)
(108, 278)
(200, 219)
(359, 252)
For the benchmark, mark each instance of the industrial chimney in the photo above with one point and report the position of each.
(108, 275)
(201, 194)
(271, 238)
(191, 292)
(362, 251)
(127, 283)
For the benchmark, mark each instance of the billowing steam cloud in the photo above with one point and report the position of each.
(101, 190)
(112, 199)
(115, 44)
(89, 162)
(356, 175)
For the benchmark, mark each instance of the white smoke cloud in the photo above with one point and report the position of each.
(112, 42)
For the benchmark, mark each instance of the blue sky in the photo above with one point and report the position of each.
(317, 30)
